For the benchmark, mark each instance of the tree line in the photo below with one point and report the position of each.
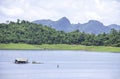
(31, 33)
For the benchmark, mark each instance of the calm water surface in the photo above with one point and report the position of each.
(72, 65)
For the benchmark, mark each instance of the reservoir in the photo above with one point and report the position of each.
(60, 64)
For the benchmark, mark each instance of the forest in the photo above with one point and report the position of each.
(30, 33)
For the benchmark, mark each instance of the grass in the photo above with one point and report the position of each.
(58, 47)
(17, 46)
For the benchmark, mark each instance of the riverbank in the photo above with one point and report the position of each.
(58, 47)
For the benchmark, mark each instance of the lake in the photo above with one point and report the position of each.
(72, 64)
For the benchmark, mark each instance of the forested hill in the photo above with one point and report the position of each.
(30, 33)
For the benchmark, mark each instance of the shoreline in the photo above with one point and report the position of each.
(13, 46)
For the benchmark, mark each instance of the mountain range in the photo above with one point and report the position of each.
(92, 26)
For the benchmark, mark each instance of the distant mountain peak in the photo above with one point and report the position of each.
(114, 26)
(64, 19)
(93, 21)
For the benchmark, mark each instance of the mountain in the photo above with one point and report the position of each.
(44, 22)
(114, 26)
(62, 24)
(92, 26)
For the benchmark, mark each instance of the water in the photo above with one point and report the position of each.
(72, 65)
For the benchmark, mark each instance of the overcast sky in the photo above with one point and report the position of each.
(105, 11)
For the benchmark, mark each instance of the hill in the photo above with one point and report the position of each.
(32, 33)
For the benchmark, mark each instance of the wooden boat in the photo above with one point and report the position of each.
(21, 60)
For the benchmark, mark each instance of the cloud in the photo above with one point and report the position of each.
(12, 11)
(106, 11)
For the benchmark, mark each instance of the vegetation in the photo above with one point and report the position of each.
(30, 33)
(59, 47)
(17, 46)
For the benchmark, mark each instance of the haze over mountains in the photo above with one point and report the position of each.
(93, 26)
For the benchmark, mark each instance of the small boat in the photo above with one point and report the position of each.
(36, 62)
(21, 60)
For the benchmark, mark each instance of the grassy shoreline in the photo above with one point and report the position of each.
(58, 47)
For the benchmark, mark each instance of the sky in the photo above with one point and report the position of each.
(77, 11)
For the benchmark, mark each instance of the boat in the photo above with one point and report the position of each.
(21, 60)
